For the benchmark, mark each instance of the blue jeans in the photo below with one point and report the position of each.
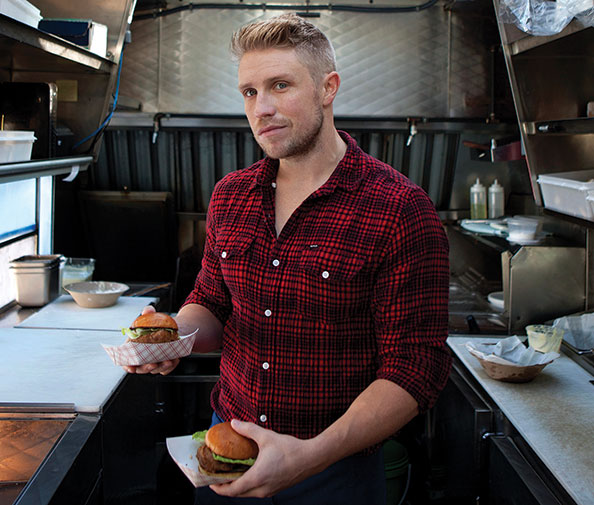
(354, 480)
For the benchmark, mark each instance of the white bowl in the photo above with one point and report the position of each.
(96, 294)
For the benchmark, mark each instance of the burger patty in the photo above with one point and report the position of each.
(211, 465)
(156, 337)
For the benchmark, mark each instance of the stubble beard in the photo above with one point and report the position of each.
(300, 144)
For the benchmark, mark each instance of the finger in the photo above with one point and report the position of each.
(148, 309)
(148, 368)
(129, 369)
(246, 429)
(238, 488)
(165, 367)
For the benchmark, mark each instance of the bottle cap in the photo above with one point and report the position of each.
(477, 186)
(496, 186)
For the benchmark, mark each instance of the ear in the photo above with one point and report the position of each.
(330, 87)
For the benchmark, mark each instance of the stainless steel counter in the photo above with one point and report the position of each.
(554, 414)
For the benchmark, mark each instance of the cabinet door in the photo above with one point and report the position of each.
(514, 481)
(455, 428)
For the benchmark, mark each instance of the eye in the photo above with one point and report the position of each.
(281, 85)
(249, 92)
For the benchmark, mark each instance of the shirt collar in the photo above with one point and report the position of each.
(347, 175)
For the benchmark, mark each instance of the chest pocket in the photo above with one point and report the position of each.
(333, 287)
(235, 257)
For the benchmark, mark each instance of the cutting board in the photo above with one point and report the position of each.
(64, 313)
(58, 366)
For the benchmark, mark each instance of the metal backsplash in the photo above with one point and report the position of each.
(433, 63)
(189, 161)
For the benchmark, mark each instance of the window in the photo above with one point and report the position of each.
(25, 226)
(18, 202)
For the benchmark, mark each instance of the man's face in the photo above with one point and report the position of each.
(282, 103)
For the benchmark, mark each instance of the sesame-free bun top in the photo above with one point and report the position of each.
(225, 441)
(154, 320)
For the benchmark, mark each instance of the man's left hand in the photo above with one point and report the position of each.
(282, 462)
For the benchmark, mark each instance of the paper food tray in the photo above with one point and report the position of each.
(510, 351)
(132, 354)
(183, 451)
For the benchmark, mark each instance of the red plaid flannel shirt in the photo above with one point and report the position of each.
(354, 289)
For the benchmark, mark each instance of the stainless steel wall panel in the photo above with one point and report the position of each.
(140, 67)
(430, 63)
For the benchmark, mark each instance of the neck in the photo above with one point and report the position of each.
(317, 164)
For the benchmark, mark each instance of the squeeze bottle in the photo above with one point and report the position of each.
(478, 201)
(496, 200)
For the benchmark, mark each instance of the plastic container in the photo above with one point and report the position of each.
(523, 229)
(16, 145)
(396, 467)
(496, 200)
(83, 32)
(76, 270)
(22, 11)
(478, 201)
(568, 192)
(544, 338)
(36, 279)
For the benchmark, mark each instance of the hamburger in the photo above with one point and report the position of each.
(225, 453)
(152, 328)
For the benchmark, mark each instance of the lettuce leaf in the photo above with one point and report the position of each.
(200, 435)
(139, 332)
(248, 462)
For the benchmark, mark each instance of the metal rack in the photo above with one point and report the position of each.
(31, 55)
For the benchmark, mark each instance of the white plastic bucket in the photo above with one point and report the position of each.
(16, 145)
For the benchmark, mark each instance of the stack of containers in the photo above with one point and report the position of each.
(37, 279)
(570, 193)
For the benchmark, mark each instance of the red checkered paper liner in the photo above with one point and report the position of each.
(183, 451)
(132, 354)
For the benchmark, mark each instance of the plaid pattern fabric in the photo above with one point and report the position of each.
(131, 354)
(355, 288)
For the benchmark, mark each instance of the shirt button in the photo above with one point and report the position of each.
(224, 254)
(267, 312)
(325, 274)
(274, 185)
(266, 365)
(263, 418)
(276, 263)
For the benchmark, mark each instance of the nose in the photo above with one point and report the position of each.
(264, 105)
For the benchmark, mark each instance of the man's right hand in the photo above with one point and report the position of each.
(163, 368)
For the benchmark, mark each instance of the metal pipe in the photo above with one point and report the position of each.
(307, 8)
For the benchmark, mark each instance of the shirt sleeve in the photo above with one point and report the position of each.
(410, 303)
(210, 290)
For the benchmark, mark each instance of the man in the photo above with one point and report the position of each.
(324, 282)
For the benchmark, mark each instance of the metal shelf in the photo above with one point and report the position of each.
(30, 41)
(560, 127)
(531, 41)
(22, 170)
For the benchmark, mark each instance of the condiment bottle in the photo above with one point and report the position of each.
(496, 200)
(478, 201)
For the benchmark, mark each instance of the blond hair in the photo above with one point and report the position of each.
(313, 49)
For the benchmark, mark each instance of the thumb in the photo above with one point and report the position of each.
(249, 430)
(148, 309)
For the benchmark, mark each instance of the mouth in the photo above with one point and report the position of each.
(269, 130)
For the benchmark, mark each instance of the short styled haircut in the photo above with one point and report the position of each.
(313, 49)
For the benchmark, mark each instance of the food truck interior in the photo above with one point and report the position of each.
(134, 126)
